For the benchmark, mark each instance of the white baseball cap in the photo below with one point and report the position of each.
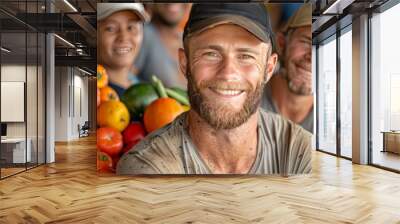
(104, 10)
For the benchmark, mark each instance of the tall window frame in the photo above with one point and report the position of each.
(35, 76)
(337, 150)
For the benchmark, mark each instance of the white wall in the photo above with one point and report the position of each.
(61, 104)
(81, 100)
(71, 93)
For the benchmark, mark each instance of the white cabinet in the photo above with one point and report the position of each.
(17, 148)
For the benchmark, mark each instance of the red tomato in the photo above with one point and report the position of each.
(133, 133)
(109, 140)
(104, 162)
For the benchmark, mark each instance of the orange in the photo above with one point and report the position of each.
(113, 114)
(107, 93)
(102, 77)
(98, 97)
(160, 113)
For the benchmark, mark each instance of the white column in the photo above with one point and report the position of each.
(50, 98)
(360, 90)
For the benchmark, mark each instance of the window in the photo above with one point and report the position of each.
(327, 96)
(346, 75)
(314, 87)
(385, 86)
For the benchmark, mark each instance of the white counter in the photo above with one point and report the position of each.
(18, 148)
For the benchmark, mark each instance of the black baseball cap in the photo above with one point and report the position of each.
(251, 16)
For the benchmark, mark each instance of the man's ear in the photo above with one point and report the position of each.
(271, 63)
(182, 61)
(281, 42)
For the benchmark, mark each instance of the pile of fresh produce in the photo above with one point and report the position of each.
(122, 123)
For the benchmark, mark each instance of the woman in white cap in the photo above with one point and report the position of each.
(120, 34)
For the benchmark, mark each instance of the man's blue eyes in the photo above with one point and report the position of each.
(245, 56)
(212, 54)
(241, 56)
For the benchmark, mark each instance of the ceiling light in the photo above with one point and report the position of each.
(84, 71)
(65, 41)
(5, 49)
(70, 5)
(337, 7)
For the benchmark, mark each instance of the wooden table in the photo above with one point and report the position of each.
(391, 141)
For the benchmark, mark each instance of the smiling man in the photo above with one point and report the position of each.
(120, 34)
(227, 59)
(290, 92)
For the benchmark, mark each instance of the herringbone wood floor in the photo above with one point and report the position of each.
(70, 191)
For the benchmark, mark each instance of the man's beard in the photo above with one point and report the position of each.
(302, 89)
(222, 116)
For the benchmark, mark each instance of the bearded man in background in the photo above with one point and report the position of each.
(289, 93)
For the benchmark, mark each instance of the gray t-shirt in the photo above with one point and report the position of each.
(268, 104)
(283, 148)
(154, 59)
